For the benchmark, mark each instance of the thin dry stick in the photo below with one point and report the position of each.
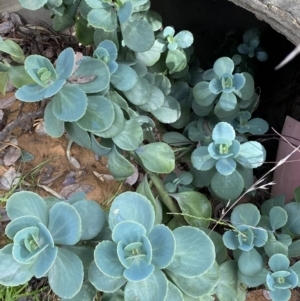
(255, 185)
(19, 121)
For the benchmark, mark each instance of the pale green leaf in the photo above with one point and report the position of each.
(164, 163)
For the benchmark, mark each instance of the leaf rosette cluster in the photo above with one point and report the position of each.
(250, 45)
(228, 91)
(227, 158)
(245, 237)
(139, 250)
(41, 238)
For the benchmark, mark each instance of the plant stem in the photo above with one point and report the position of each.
(163, 194)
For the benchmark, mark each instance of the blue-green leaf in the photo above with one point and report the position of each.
(118, 165)
(33, 4)
(247, 214)
(201, 159)
(66, 274)
(176, 60)
(31, 93)
(131, 137)
(45, 261)
(13, 273)
(26, 203)
(226, 166)
(99, 115)
(196, 207)
(151, 56)
(169, 112)
(165, 163)
(229, 287)
(125, 12)
(278, 217)
(163, 246)
(153, 288)
(184, 39)
(174, 293)
(197, 286)
(69, 104)
(252, 154)
(131, 206)
(195, 252)
(53, 126)
(203, 95)
(228, 101)
(68, 219)
(137, 34)
(20, 223)
(102, 282)
(92, 218)
(227, 187)
(107, 260)
(293, 212)
(96, 73)
(223, 65)
(155, 101)
(117, 126)
(125, 78)
(65, 63)
(105, 18)
(250, 262)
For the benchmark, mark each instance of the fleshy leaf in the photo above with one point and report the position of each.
(131, 137)
(32, 205)
(278, 217)
(165, 163)
(66, 274)
(153, 288)
(184, 39)
(133, 207)
(53, 126)
(95, 72)
(196, 207)
(118, 165)
(107, 260)
(227, 187)
(176, 60)
(69, 104)
(68, 219)
(247, 214)
(229, 287)
(137, 34)
(163, 245)
(124, 78)
(104, 17)
(92, 218)
(13, 273)
(293, 223)
(197, 286)
(20, 223)
(201, 159)
(250, 262)
(174, 293)
(223, 65)
(65, 63)
(125, 12)
(99, 115)
(169, 111)
(195, 252)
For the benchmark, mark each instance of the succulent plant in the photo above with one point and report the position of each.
(41, 238)
(245, 236)
(225, 155)
(244, 124)
(281, 278)
(139, 250)
(222, 87)
(250, 44)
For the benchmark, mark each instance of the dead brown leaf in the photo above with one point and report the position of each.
(7, 101)
(11, 156)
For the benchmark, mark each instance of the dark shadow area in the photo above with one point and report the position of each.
(218, 27)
